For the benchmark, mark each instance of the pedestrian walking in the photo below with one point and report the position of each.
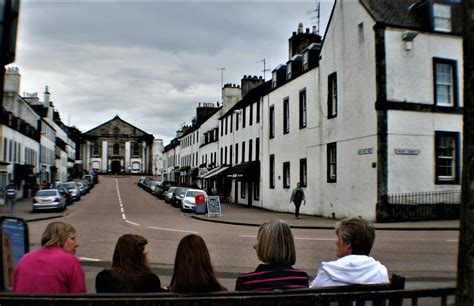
(298, 197)
(11, 197)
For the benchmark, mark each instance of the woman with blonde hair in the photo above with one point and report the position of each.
(193, 271)
(53, 268)
(275, 247)
(130, 272)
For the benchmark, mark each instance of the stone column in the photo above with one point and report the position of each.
(104, 163)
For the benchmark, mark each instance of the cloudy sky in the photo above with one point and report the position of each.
(150, 62)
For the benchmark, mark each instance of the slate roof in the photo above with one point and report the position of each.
(125, 122)
(410, 14)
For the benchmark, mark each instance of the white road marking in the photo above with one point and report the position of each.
(171, 230)
(88, 259)
(122, 210)
(452, 240)
(132, 223)
(296, 238)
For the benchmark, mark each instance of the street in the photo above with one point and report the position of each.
(117, 206)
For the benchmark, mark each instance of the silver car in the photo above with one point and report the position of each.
(73, 189)
(49, 199)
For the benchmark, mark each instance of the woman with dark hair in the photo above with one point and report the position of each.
(130, 272)
(275, 247)
(53, 268)
(193, 271)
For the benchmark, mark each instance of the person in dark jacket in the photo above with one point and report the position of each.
(275, 247)
(11, 197)
(130, 272)
(298, 197)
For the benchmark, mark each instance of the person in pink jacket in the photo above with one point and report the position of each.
(53, 268)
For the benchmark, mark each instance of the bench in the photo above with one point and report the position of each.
(392, 293)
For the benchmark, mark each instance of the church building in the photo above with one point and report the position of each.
(117, 147)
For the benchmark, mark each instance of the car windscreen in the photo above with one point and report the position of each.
(46, 193)
(192, 193)
(69, 185)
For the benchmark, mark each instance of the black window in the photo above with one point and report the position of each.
(303, 173)
(447, 157)
(236, 153)
(222, 155)
(135, 149)
(243, 151)
(272, 171)
(231, 122)
(256, 191)
(242, 189)
(222, 127)
(226, 124)
(244, 116)
(225, 156)
(95, 149)
(116, 149)
(302, 110)
(445, 82)
(251, 114)
(331, 162)
(236, 122)
(250, 149)
(230, 154)
(258, 112)
(257, 148)
(286, 116)
(332, 95)
(286, 175)
(272, 121)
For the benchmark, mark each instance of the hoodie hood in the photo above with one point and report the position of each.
(356, 269)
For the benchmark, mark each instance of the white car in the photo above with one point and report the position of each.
(188, 201)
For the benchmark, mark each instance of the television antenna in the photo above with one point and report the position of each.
(264, 68)
(316, 18)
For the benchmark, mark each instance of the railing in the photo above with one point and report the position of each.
(441, 296)
(419, 206)
(433, 198)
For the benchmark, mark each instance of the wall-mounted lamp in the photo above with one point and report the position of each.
(408, 37)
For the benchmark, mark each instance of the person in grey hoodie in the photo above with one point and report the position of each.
(354, 240)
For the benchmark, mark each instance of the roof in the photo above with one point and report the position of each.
(410, 14)
(125, 122)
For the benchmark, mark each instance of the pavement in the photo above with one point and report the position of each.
(250, 216)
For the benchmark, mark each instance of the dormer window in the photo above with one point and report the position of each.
(288, 71)
(441, 17)
(305, 61)
(274, 79)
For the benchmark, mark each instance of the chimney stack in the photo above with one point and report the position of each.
(47, 96)
(300, 40)
(12, 80)
(250, 82)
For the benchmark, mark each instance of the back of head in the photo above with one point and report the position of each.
(129, 253)
(275, 243)
(56, 234)
(357, 232)
(193, 271)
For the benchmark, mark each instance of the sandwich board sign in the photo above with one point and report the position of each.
(213, 206)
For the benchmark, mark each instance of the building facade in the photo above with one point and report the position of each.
(117, 147)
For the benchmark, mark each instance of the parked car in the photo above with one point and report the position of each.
(87, 185)
(82, 188)
(188, 201)
(151, 186)
(178, 196)
(49, 199)
(66, 194)
(73, 189)
(141, 181)
(90, 178)
(169, 194)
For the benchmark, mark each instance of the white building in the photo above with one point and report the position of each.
(157, 157)
(384, 111)
(19, 134)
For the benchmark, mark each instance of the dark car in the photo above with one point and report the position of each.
(178, 196)
(66, 194)
(90, 178)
